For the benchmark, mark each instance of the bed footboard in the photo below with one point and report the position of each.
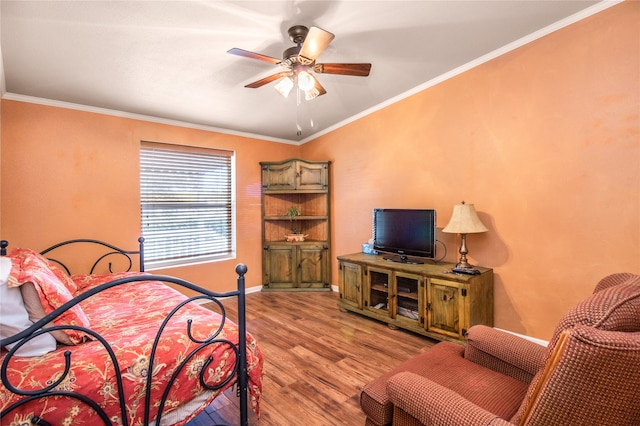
(210, 354)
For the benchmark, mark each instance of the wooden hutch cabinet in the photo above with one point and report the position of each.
(303, 265)
(425, 299)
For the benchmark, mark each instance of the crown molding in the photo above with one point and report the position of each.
(141, 117)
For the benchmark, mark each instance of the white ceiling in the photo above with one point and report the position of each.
(168, 60)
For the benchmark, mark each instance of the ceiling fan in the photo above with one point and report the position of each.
(300, 63)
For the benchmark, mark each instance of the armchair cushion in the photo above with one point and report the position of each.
(504, 352)
(434, 405)
(444, 365)
(374, 400)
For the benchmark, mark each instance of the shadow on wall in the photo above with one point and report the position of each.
(488, 249)
(503, 308)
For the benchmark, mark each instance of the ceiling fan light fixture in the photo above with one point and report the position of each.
(300, 64)
(284, 86)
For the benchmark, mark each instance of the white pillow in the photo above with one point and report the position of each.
(14, 317)
(5, 269)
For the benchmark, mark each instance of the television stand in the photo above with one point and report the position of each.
(401, 258)
(425, 299)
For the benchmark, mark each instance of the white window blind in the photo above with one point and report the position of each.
(186, 204)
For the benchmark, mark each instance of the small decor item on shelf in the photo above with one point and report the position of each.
(293, 212)
(295, 237)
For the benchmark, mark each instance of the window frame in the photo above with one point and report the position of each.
(201, 206)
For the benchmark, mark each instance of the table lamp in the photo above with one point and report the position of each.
(464, 221)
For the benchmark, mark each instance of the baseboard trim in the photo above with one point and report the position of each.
(532, 339)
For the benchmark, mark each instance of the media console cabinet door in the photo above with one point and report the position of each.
(446, 307)
(408, 304)
(350, 282)
(378, 297)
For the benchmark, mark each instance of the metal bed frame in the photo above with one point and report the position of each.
(239, 369)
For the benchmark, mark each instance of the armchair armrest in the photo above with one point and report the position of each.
(432, 404)
(504, 352)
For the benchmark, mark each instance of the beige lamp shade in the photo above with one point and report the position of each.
(464, 220)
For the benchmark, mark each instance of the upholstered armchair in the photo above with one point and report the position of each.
(589, 374)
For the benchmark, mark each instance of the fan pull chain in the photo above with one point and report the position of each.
(299, 132)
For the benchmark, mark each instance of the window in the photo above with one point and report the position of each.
(186, 203)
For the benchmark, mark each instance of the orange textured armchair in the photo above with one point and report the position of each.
(589, 374)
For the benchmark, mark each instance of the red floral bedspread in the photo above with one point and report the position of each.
(128, 317)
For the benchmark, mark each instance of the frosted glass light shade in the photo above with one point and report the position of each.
(306, 81)
(284, 86)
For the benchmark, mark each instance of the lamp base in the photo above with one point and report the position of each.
(464, 264)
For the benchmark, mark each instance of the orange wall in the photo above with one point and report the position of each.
(72, 174)
(544, 141)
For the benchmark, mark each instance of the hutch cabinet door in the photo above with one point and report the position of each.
(446, 307)
(279, 177)
(312, 177)
(350, 282)
(279, 261)
(312, 266)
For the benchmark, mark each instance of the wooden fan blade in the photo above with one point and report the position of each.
(359, 70)
(316, 41)
(267, 80)
(252, 55)
(319, 88)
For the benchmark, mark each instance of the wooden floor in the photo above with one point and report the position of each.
(317, 359)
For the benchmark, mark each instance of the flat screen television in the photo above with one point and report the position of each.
(405, 235)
